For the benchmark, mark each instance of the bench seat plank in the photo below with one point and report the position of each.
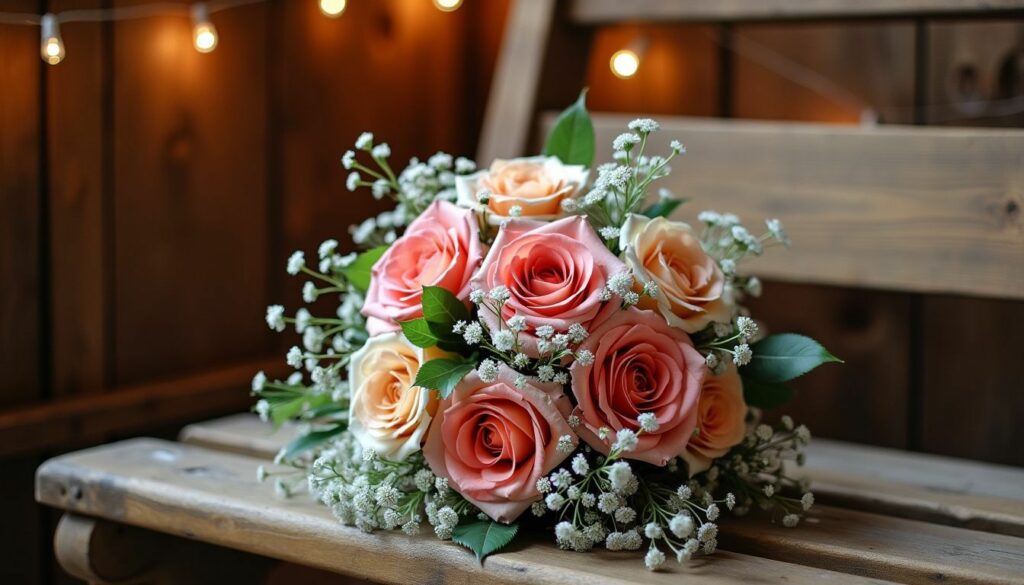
(937, 489)
(213, 496)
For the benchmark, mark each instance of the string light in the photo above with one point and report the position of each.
(204, 34)
(447, 5)
(52, 46)
(332, 8)
(626, 62)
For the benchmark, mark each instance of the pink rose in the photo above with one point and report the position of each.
(721, 420)
(641, 364)
(555, 274)
(439, 248)
(493, 441)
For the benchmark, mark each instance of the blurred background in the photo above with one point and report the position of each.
(150, 194)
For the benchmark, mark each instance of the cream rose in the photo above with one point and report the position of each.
(691, 286)
(537, 185)
(721, 420)
(387, 413)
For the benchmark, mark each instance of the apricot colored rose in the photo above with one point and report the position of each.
(721, 420)
(640, 365)
(555, 274)
(387, 413)
(691, 286)
(537, 185)
(440, 248)
(493, 441)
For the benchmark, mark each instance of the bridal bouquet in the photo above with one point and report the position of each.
(531, 343)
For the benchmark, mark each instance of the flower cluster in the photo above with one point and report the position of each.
(525, 340)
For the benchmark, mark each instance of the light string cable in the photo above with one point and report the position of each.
(124, 12)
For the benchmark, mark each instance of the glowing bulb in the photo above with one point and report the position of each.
(332, 8)
(52, 47)
(625, 63)
(204, 34)
(447, 5)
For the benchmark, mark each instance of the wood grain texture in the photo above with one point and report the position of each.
(78, 202)
(936, 489)
(922, 209)
(214, 497)
(514, 87)
(73, 422)
(602, 11)
(189, 195)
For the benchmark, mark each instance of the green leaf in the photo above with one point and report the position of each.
(418, 333)
(308, 441)
(283, 411)
(572, 137)
(442, 307)
(662, 208)
(358, 272)
(443, 374)
(484, 537)
(765, 395)
(780, 358)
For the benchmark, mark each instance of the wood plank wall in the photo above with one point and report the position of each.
(149, 195)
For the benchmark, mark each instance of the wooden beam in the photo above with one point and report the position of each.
(72, 422)
(215, 497)
(610, 11)
(935, 210)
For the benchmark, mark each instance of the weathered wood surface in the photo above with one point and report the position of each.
(214, 497)
(604, 11)
(909, 485)
(919, 209)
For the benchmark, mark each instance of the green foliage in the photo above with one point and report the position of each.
(780, 358)
(484, 537)
(662, 208)
(442, 307)
(765, 395)
(358, 273)
(418, 333)
(443, 374)
(572, 137)
(314, 439)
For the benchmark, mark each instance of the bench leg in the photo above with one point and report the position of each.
(99, 551)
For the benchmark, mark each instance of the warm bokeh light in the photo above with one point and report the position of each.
(447, 5)
(52, 46)
(204, 37)
(332, 8)
(625, 63)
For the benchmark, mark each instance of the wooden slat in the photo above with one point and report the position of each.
(910, 485)
(606, 11)
(73, 422)
(514, 87)
(214, 497)
(921, 209)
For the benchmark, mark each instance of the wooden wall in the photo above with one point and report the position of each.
(149, 196)
(933, 373)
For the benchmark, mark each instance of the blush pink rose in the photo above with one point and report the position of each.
(555, 274)
(641, 364)
(721, 420)
(493, 441)
(439, 248)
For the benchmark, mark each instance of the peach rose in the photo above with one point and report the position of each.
(555, 274)
(387, 413)
(439, 248)
(721, 420)
(493, 441)
(538, 185)
(640, 365)
(691, 286)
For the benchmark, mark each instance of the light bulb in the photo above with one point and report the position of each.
(204, 34)
(625, 63)
(332, 8)
(447, 5)
(52, 46)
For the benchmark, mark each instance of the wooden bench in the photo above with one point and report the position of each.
(884, 516)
